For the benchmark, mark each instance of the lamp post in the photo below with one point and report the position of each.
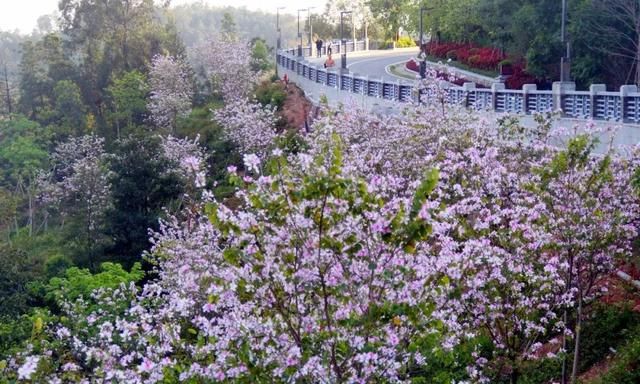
(310, 27)
(343, 42)
(565, 60)
(279, 41)
(423, 62)
(299, 34)
(423, 52)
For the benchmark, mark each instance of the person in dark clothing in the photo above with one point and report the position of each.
(319, 47)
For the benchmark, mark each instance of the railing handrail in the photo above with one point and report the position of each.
(589, 104)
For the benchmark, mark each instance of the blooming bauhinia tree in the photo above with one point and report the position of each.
(78, 184)
(189, 157)
(171, 90)
(387, 244)
(250, 125)
(227, 62)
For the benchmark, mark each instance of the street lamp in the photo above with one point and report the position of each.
(343, 48)
(299, 35)
(423, 62)
(279, 42)
(310, 27)
(565, 60)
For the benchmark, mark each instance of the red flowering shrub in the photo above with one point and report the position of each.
(412, 66)
(519, 78)
(473, 56)
(485, 58)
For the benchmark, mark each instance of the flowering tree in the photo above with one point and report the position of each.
(188, 156)
(79, 184)
(171, 90)
(227, 63)
(388, 243)
(250, 125)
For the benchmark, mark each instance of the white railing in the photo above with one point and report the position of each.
(596, 103)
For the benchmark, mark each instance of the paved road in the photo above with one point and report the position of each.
(374, 63)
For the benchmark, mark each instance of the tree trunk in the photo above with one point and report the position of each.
(366, 35)
(6, 83)
(117, 124)
(353, 32)
(563, 378)
(565, 319)
(576, 350)
(515, 376)
(30, 214)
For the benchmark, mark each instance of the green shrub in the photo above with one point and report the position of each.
(13, 334)
(541, 371)
(292, 142)
(386, 44)
(506, 62)
(405, 42)
(56, 266)
(81, 282)
(607, 327)
(272, 94)
(625, 368)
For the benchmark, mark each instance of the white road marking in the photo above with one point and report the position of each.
(388, 70)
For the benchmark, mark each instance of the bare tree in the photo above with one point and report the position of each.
(618, 21)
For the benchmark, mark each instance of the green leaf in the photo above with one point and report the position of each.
(428, 184)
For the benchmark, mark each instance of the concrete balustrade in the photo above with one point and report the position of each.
(596, 103)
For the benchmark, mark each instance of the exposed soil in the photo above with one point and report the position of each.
(296, 109)
(619, 291)
(597, 370)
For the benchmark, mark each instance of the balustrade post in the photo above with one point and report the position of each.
(495, 88)
(594, 89)
(527, 89)
(625, 90)
(468, 87)
(559, 89)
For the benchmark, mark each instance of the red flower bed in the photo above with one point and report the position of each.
(471, 55)
(481, 58)
(415, 67)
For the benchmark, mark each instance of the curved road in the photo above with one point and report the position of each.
(373, 63)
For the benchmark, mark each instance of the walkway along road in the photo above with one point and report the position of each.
(369, 68)
(375, 64)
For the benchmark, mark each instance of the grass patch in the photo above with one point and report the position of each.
(400, 72)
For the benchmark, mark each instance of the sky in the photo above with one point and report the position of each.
(23, 14)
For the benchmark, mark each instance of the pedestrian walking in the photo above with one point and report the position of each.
(319, 47)
(329, 62)
(329, 48)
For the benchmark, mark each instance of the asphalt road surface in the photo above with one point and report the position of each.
(374, 63)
